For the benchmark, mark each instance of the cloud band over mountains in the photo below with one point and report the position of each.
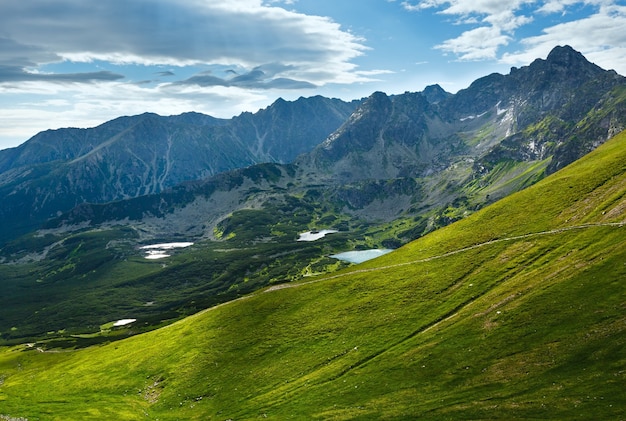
(81, 62)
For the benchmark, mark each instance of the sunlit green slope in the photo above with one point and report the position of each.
(517, 312)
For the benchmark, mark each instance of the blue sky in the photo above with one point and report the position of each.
(79, 63)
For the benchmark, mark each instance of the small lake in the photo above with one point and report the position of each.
(360, 256)
(315, 235)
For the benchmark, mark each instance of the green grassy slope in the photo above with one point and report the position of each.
(516, 312)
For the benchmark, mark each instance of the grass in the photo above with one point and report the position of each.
(447, 327)
(91, 277)
(507, 177)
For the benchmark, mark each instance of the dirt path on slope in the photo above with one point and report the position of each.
(380, 268)
(451, 253)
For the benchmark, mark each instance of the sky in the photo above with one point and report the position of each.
(79, 63)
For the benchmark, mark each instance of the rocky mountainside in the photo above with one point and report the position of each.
(427, 156)
(387, 137)
(533, 113)
(134, 156)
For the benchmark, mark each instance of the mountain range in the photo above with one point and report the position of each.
(129, 157)
(411, 155)
(382, 171)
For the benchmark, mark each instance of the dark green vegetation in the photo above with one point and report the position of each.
(515, 312)
(93, 277)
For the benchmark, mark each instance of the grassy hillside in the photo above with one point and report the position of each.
(516, 312)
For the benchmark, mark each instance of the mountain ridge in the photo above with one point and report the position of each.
(506, 105)
(134, 156)
(451, 162)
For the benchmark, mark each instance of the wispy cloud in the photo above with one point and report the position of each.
(18, 63)
(496, 23)
(600, 37)
(477, 44)
(560, 6)
(18, 74)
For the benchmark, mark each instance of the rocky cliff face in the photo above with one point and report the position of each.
(531, 91)
(385, 138)
(532, 113)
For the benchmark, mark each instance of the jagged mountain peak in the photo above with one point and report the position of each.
(367, 117)
(543, 85)
(435, 93)
(280, 101)
(565, 59)
(377, 98)
(376, 107)
(382, 139)
(565, 55)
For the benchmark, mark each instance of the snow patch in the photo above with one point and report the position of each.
(472, 117)
(124, 322)
(166, 246)
(157, 251)
(500, 111)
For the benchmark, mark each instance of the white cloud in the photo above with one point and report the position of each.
(600, 37)
(496, 22)
(560, 6)
(469, 7)
(283, 1)
(374, 72)
(477, 44)
(507, 21)
(412, 8)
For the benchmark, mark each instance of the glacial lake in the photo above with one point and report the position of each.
(315, 235)
(360, 256)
